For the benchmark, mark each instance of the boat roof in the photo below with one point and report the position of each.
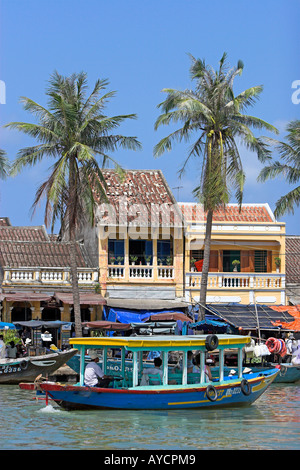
(157, 342)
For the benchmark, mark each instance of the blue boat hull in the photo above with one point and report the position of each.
(229, 393)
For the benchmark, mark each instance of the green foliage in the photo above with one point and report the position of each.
(214, 117)
(11, 335)
(288, 168)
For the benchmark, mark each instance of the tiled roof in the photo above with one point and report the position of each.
(37, 254)
(38, 234)
(249, 213)
(145, 188)
(292, 248)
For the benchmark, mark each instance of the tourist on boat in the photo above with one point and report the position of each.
(94, 375)
(196, 368)
(11, 350)
(152, 371)
(2, 347)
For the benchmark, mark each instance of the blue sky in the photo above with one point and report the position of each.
(142, 47)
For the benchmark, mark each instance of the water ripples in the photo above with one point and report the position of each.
(273, 422)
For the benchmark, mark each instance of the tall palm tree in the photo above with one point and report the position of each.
(213, 116)
(289, 152)
(74, 131)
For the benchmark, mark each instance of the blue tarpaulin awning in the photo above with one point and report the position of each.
(6, 326)
(137, 316)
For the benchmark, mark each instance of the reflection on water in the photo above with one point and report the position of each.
(270, 423)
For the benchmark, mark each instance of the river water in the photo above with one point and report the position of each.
(271, 423)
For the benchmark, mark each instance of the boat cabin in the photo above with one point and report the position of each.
(140, 346)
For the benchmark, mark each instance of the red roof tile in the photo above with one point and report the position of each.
(23, 233)
(17, 254)
(145, 188)
(249, 213)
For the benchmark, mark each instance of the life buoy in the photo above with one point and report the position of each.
(211, 342)
(24, 365)
(211, 393)
(276, 346)
(245, 387)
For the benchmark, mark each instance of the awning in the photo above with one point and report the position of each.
(245, 316)
(26, 297)
(85, 298)
(107, 325)
(293, 310)
(169, 316)
(39, 324)
(7, 326)
(209, 322)
(146, 304)
(124, 315)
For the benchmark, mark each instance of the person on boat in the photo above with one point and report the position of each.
(94, 375)
(2, 347)
(196, 368)
(11, 350)
(190, 363)
(152, 371)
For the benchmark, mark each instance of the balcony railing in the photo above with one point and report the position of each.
(48, 276)
(237, 281)
(149, 273)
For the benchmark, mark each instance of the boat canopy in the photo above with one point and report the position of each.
(148, 343)
(165, 344)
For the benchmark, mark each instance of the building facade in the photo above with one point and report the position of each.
(145, 252)
(35, 277)
(247, 260)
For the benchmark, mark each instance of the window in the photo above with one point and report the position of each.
(228, 257)
(140, 251)
(165, 252)
(260, 261)
(115, 251)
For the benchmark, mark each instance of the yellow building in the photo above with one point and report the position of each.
(247, 261)
(140, 239)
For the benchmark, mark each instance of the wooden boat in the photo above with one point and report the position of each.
(26, 369)
(174, 391)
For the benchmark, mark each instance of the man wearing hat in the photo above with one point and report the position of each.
(94, 375)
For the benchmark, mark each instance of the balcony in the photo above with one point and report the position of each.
(48, 276)
(235, 281)
(140, 272)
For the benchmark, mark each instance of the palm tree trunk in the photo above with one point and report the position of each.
(75, 288)
(205, 267)
(73, 248)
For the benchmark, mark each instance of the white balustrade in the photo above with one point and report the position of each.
(141, 272)
(49, 276)
(237, 281)
(165, 272)
(116, 271)
(21, 276)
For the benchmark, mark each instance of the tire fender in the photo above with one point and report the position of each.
(245, 387)
(211, 393)
(211, 342)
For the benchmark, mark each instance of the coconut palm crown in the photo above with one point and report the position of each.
(73, 131)
(289, 168)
